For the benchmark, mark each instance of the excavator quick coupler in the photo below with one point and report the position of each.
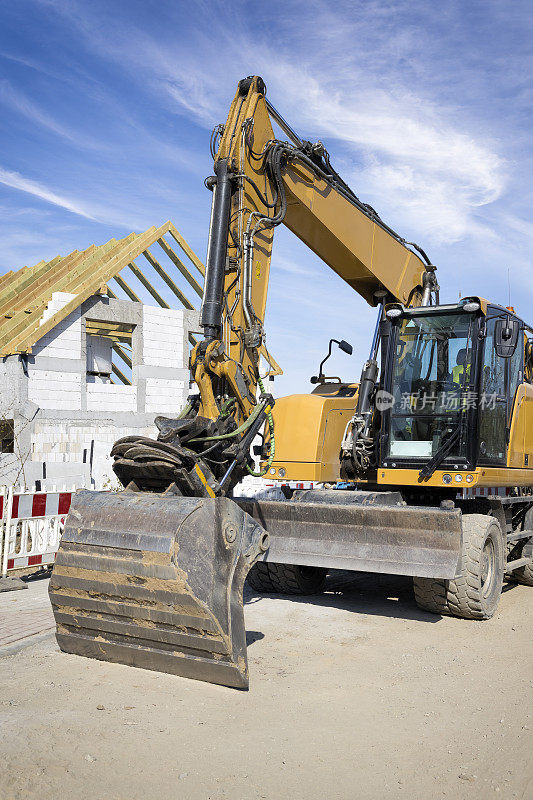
(156, 581)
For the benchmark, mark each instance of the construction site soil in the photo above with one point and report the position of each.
(354, 693)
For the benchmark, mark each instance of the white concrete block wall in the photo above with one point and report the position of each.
(7, 391)
(59, 300)
(111, 397)
(62, 443)
(163, 333)
(64, 340)
(166, 396)
(55, 390)
(258, 489)
(103, 475)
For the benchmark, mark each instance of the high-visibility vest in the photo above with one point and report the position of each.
(458, 372)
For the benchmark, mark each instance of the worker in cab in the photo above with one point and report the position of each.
(462, 369)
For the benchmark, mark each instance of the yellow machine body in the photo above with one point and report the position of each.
(309, 431)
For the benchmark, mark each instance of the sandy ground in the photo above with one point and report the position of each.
(354, 694)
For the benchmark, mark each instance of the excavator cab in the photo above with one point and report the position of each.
(452, 379)
(431, 380)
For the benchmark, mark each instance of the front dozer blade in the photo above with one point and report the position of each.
(156, 581)
(360, 531)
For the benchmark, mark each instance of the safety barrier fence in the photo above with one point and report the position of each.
(31, 526)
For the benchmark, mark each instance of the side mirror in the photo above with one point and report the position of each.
(506, 333)
(344, 346)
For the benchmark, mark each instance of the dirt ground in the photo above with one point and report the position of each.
(354, 694)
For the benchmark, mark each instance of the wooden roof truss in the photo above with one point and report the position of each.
(160, 274)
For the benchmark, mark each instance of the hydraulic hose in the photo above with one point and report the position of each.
(270, 419)
(243, 428)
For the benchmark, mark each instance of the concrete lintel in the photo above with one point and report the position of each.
(71, 365)
(121, 419)
(191, 323)
(163, 373)
(107, 309)
(191, 318)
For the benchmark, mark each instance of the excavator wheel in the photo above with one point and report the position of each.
(270, 578)
(431, 595)
(475, 592)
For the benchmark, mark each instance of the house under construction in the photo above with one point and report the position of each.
(93, 346)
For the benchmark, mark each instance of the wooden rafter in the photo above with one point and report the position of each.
(123, 355)
(120, 375)
(176, 235)
(182, 268)
(127, 289)
(25, 294)
(168, 280)
(147, 285)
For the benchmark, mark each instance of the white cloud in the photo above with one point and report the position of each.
(423, 115)
(354, 74)
(289, 265)
(15, 99)
(521, 226)
(108, 212)
(415, 158)
(17, 181)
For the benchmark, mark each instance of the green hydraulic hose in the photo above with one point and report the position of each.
(184, 411)
(244, 427)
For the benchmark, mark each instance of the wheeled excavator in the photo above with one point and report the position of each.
(432, 445)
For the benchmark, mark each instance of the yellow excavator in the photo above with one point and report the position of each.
(431, 447)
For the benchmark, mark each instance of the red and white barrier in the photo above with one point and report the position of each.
(32, 524)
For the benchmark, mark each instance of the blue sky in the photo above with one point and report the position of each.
(425, 108)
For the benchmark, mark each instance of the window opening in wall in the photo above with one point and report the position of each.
(109, 351)
(7, 436)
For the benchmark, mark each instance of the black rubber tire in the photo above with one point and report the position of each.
(475, 592)
(524, 575)
(430, 595)
(269, 578)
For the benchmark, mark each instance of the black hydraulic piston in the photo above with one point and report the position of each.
(369, 377)
(367, 385)
(211, 317)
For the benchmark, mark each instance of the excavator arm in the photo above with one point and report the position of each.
(261, 182)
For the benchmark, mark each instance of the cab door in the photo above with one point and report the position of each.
(500, 379)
